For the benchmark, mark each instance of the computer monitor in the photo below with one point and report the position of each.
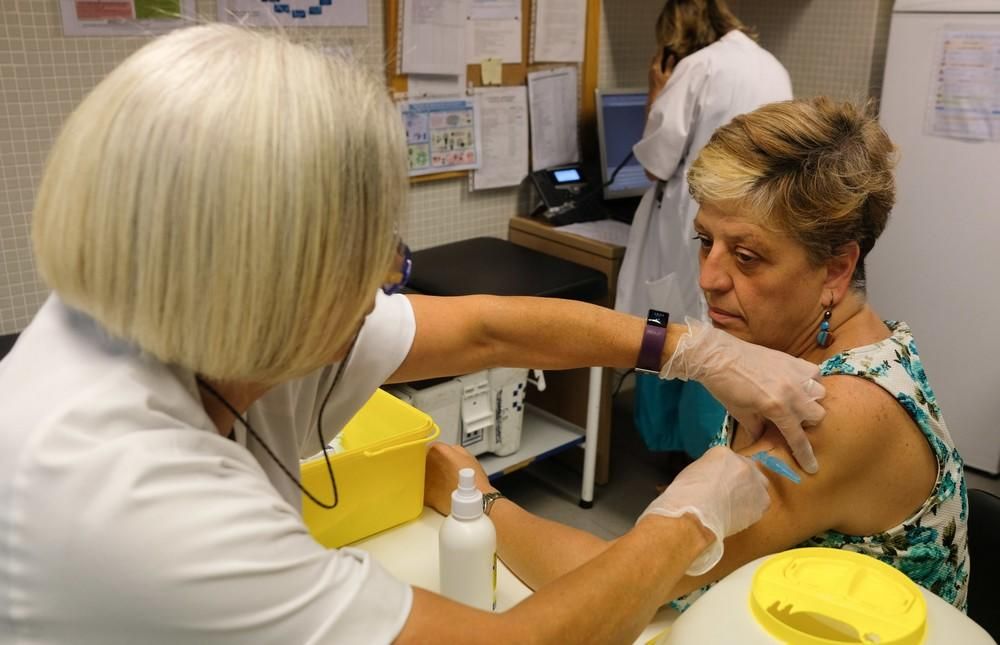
(621, 119)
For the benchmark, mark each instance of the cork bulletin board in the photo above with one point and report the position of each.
(513, 74)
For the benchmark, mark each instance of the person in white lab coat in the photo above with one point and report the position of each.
(216, 219)
(707, 70)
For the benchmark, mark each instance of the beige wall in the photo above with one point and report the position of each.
(834, 47)
(43, 75)
(627, 42)
(827, 45)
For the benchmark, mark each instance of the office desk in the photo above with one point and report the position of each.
(563, 395)
(410, 552)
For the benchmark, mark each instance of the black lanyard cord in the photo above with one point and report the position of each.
(319, 428)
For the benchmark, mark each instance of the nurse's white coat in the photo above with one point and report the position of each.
(707, 89)
(126, 518)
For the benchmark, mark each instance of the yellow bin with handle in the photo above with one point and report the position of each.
(379, 470)
(819, 596)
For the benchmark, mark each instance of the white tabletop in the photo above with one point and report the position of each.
(410, 553)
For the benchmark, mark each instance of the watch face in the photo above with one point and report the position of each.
(488, 500)
(658, 318)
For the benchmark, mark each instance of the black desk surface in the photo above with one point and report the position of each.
(487, 265)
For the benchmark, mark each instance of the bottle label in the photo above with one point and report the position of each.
(494, 582)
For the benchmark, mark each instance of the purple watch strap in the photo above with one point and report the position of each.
(653, 338)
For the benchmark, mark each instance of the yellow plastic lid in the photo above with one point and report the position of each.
(818, 596)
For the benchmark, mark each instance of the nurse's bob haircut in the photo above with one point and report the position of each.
(816, 169)
(227, 201)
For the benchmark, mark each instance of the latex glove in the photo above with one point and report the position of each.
(441, 475)
(725, 491)
(754, 383)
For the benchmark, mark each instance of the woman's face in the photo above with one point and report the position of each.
(759, 284)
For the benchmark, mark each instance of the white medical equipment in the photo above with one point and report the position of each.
(482, 411)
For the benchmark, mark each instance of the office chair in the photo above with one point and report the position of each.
(984, 552)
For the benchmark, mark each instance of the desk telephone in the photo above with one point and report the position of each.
(567, 196)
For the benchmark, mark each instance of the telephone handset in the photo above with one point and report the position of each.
(667, 53)
(560, 185)
(567, 195)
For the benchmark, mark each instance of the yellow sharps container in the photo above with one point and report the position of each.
(818, 596)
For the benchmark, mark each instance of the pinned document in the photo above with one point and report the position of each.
(495, 9)
(504, 117)
(553, 101)
(433, 39)
(441, 135)
(492, 71)
(493, 30)
(430, 85)
(124, 17)
(560, 31)
(964, 96)
(285, 13)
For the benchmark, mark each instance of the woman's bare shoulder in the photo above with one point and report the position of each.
(882, 459)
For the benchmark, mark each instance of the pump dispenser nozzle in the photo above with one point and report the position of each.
(466, 500)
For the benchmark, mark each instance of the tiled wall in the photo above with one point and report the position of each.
(627, 42)
(43, 75)
(833, 47)
(827, 45)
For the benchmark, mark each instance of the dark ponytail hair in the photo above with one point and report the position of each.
(685, 26)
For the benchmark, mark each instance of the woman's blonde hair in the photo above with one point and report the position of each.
(818, 170)
(685, 26)
(227, 200)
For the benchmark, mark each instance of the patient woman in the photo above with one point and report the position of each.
(792, 198)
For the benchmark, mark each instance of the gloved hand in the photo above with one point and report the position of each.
(754, 383)
(724, 491)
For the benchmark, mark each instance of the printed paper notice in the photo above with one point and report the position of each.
(433, 37)
(441, 135)
(426, 85)
(560, 31)
(964, 102)
(552, 98)
(495, 9)
(294, 13)
(124, 17)
(503, 113)
(493, 30)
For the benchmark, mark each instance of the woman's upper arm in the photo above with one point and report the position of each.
(447, 340)
(852, 451)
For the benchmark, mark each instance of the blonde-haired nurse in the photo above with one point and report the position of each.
(218, 223)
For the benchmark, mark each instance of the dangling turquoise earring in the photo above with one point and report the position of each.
(824, 337)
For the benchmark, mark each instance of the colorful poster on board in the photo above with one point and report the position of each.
(295, 13)
(125, 17)
(442, 135)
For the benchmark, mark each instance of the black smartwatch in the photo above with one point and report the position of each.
(653, 338)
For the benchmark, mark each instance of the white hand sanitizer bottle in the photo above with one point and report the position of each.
(467, 545)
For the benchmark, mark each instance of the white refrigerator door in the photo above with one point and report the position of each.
(937, 266)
